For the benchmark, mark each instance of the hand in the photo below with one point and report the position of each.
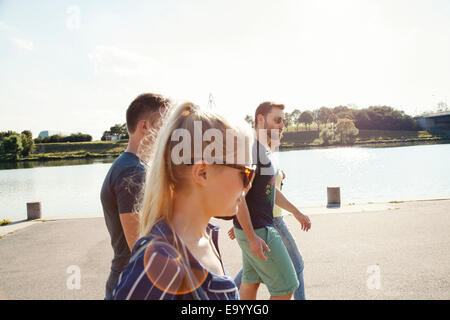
(257, 245)
(231, 234)
(304, 221)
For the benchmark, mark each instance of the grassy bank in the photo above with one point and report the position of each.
(76, 150)
(292, 140)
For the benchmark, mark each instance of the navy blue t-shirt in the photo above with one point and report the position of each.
(120, 193)
(261, 196)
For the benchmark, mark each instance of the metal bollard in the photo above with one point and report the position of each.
(34, 210)
(334, 197)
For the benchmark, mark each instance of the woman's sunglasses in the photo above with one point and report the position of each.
(248, 172)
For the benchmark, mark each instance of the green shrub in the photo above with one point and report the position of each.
(326, 136)
(347, 131)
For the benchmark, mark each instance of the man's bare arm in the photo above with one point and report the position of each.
(130, 226)
(257, 245)
(284, 203)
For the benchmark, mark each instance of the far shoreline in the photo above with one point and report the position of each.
(283, 148)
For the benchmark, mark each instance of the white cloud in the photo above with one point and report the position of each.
(20, 42)
(123, 63)
(23, 43)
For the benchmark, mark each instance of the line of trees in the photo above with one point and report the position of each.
(14, 145)
(371, 118)
(341, 124)
(75, 137)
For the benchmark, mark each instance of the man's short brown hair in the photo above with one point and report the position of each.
(265, 108)
(142, 107)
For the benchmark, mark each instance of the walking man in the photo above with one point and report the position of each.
(123, 183)
(286, 236)
(254, 223)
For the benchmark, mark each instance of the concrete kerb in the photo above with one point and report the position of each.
(308, 210)
(360, 207)
(20, 224)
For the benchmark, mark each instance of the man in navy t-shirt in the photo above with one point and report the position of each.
(253, 225)
(260, 198)
(123, 183)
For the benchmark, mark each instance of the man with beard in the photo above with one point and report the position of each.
(254, 223)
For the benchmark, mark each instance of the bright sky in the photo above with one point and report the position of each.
(77, 65)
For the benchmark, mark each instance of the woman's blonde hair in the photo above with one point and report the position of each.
(164, 175)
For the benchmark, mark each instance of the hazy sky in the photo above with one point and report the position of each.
(76, 65)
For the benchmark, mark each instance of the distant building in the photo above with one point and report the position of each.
(435, 122)
(112, 137)
(48, 133)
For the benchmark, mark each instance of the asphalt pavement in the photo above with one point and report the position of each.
(398, 251)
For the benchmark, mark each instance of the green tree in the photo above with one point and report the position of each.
(288, 120)
(4, 134)
(347, 130)
(362, 119)
(340, 109)
(332, 119)
(294, 117)
(11, 147)
(27, 142)
(345, 115)
(323, 114)
(116, 130)
(75, 137)
(105, 133)
(307, 118)
(249, 119)
(315, 114)
(387, 118)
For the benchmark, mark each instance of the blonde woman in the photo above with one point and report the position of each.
(177, 256)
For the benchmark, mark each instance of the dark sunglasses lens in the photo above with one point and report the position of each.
(248, 175)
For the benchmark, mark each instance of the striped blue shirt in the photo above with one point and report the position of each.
(162, 268)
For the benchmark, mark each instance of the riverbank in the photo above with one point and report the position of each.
(74, 151)
(292, 140)
(407, 248)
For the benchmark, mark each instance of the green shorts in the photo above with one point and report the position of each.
(277, 272)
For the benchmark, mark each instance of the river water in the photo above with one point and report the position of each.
(72, 188)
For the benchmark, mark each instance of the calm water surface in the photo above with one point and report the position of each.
(364, 175)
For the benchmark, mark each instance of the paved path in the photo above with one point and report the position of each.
(408, 243)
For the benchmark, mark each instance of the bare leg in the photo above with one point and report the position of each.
(248, 291)
(284, 297)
